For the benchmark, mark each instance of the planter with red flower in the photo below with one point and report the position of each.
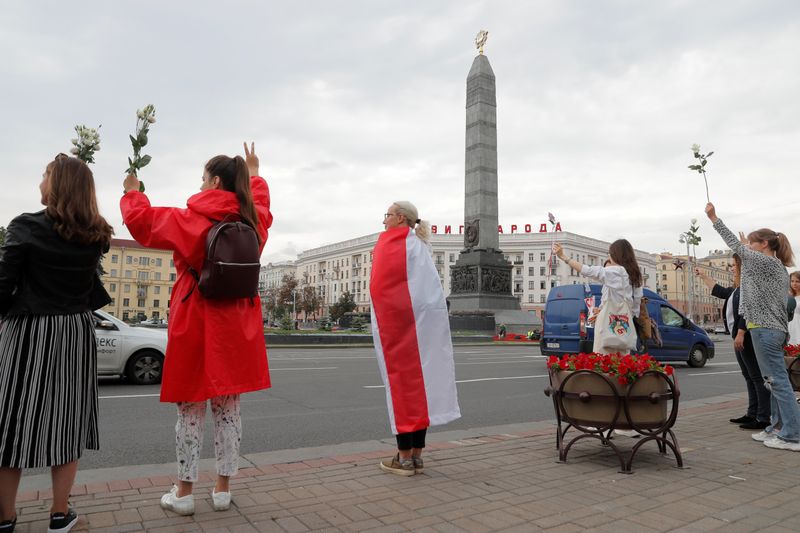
(791, 357)
(596, 394)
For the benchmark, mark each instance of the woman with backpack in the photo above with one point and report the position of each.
(765, 284)
(614, 330)
(215, 346)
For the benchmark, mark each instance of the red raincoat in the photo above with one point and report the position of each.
(214, 347)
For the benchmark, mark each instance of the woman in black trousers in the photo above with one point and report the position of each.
(758, 400)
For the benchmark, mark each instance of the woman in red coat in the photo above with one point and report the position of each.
(215, 348)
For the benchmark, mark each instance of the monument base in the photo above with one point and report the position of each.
(481, 282)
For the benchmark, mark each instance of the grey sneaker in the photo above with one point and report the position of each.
(780, 444)
(396, 466)
(761, 436)
(419, 466)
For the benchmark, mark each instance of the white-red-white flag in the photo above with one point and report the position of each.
(411, 332)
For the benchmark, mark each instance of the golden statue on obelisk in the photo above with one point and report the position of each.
(480, 40)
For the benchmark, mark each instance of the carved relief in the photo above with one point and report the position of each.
(471, 233)
(463, 279)
(496, 280)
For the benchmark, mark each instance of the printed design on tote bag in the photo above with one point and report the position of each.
(619, 324)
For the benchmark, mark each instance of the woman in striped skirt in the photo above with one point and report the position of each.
(48, 350)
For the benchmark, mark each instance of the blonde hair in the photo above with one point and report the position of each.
(421, 227)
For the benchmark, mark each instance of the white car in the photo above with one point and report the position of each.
(135, 353)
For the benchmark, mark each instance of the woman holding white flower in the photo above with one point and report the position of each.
(48, 348)
(215, 347)
(765, 284)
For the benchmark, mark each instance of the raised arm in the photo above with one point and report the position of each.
(168, 228)
(727, 235)
(593, 272)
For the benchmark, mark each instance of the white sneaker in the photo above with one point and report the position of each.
(183, 506)
(761, 436)
(780, 444)
(627, 433)
(220, 501)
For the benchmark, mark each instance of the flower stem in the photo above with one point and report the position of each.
(706, 181)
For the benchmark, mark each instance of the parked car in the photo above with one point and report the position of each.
(123, 350)
(566, 329)
(720, 329)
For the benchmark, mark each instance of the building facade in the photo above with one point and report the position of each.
(678, 284)
(139, 281)
(345, 266)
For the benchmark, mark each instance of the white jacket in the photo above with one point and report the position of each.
(616, 285)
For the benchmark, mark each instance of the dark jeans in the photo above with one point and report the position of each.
(758, 398)
(406, 441)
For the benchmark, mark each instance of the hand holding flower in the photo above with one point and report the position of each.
(711, 212)
(558, 251)
(131, 183)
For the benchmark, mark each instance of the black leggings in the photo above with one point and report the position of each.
(406, 441)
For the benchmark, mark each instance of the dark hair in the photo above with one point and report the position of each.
(235, 178)
(622, 253)
(72, 203)
(777, 242)
(737, 279)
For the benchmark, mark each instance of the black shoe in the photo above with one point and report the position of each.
(7, 526)
(746, 419)
(61, 523)
(754, 425)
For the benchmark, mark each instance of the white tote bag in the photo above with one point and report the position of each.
(614, 330)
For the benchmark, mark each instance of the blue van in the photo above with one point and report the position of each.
(565, 328)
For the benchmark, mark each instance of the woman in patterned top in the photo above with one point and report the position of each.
(765, 284)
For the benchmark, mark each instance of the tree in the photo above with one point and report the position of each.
(345, 304)
(309, 301)
(288, 286)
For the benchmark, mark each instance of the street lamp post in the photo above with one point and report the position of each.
(686, 238)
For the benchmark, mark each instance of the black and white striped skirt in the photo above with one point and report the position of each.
(48, 389)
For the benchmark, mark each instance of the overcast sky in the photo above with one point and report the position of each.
(353, 105)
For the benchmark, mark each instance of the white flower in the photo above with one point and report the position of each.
(151, 120)
(74, 141)
(75, 151)
(695, 148)
(140, 113)
(694, 221)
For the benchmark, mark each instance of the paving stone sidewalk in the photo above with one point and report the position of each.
(503, 482)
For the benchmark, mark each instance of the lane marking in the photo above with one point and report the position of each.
(715, 373)
(308, 368)
(475, 380)
(722, 364)
(129, 396)
(492, 363)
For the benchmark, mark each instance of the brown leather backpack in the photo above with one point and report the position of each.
(232, 262)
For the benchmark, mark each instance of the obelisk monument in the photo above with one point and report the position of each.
(481, 277)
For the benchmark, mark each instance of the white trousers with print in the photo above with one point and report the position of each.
(227, 435)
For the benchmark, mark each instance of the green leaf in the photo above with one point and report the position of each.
(709, 154)
(141, 186)
(142, 138)
(130, 163)
(133, 139)
(703, 163)
(144, 161)
(697, 154)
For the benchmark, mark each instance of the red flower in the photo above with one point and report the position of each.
(668, 370)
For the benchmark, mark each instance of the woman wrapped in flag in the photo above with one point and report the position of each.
(411, 332)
